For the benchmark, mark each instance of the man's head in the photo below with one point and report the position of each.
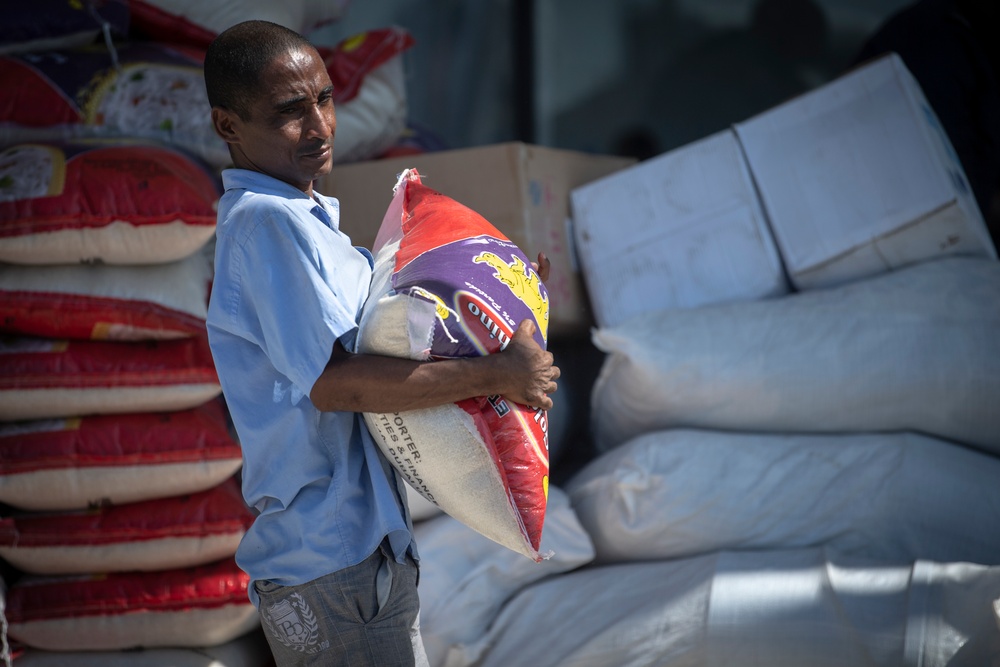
(272, 102)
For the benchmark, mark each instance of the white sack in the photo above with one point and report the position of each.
(917, 349)
(898, 497)
(250, 650)
(754, 609)
(466, 578)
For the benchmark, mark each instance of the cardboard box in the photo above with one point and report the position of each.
(858, 177)
(680, 230)
(523, 190)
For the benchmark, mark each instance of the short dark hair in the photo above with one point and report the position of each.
(236, 59)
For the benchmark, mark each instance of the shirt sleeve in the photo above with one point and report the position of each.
(298, 287)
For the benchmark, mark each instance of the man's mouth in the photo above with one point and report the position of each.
(319, 153)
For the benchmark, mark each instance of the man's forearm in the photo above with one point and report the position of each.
(523, 373)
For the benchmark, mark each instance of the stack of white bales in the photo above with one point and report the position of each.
(797, 417)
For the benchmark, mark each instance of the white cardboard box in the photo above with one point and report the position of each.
(522, 189)
(681, 230)
(858, 177)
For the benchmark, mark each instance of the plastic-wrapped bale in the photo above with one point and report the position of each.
(113, 203)
(448, 284)
(162, 534)
(187, 607)
(82, 462)
(774, 608)
(677, 493)
(917, 349)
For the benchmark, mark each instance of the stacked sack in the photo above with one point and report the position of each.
(120, 507)
(117, 462)
(796, 461)
(120, 502)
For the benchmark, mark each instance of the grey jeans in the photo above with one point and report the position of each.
(363, 615)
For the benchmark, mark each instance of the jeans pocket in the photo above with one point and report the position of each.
(263, 586)
(383, 583)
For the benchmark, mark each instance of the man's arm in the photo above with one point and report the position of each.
(523, 373)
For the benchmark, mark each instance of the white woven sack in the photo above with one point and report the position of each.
(899, 496)
(917, 349)
(465, 578)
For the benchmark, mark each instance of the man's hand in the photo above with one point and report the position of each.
(542, 267)
(526, 369)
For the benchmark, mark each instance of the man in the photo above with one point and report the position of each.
(330, 555)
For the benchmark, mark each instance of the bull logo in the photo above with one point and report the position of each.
(523, 284)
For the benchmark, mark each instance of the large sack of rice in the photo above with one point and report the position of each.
(200, 606)
(162, 534)
(107, 302)
(45, 378)
(892, 496)
(95, 460)
(448, 284)
(917, 349)
(109, 202)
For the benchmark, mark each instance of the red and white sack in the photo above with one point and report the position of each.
(108, 202)
(106, 302)
(138, 90)
(162, 534)
(917, 349)
(43, 378)
(202, 606)
(80, 463)
(368, 75)
(157, 92)
(448, 284)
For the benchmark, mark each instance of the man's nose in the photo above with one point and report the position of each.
(321, 121)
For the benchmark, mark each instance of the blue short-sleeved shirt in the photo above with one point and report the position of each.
(288, 283)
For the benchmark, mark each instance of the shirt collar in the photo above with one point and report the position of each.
(325, 208)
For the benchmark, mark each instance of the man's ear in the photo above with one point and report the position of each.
(226, 124)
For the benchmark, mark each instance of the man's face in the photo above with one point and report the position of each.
(289, 134)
